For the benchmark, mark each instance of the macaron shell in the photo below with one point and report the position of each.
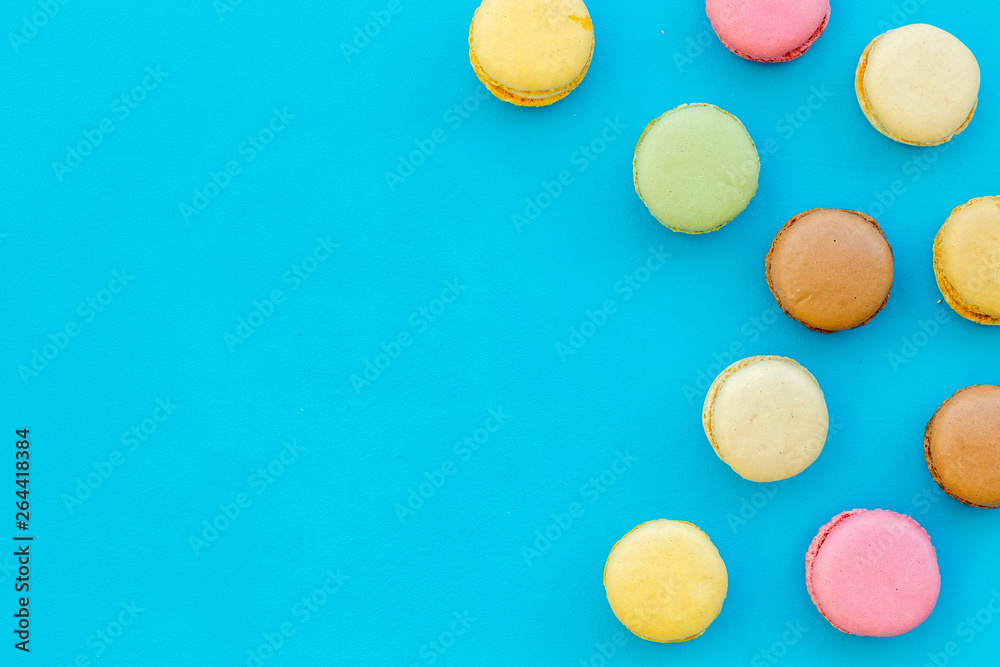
(830, 269)
(962, 446)
(696, 168)
(531, 52)
(766, 418)
(768, 30)
(918, 84)
(967, 260)
(666, 581)
(873, 573)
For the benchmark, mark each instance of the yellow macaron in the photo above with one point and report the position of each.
(967, 260)
(531, 52)
(666, 581)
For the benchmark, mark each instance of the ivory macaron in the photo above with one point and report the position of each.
(918, 84)
(967, 260)
(666, 581)
(830, 269)
(766, 418)
(768, 31)
(962, 446)
(531, 52)
(873, 573)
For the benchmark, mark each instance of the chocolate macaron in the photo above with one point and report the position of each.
(830, 269)
(962, 446)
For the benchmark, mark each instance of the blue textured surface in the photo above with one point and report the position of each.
(480, 300)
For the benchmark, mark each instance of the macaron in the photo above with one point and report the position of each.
(873, 573)
(918, 84)
(831, 269)
(695, 168)
(531, 52)
(666, 581)
(766, 418)
(967, 260)
(962, 446)
(768, 31)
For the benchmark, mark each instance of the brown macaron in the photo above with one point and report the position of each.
(962, 446)
(831, 269)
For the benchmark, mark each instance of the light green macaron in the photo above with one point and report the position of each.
(695, 168)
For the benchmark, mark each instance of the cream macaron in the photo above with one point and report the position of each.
(766, 418)
(666, 581)
(918, 84)
(967, 260)
(531, 52)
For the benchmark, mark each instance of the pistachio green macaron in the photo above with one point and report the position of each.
(695, 168)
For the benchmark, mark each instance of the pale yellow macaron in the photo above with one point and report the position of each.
(531, 52)
(918, 84)
(766, 417)
(967, 260)
(666, 581)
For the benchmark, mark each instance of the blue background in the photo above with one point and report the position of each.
(634, 387)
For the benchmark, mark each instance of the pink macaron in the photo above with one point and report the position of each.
(768, 31)
(873, 573)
